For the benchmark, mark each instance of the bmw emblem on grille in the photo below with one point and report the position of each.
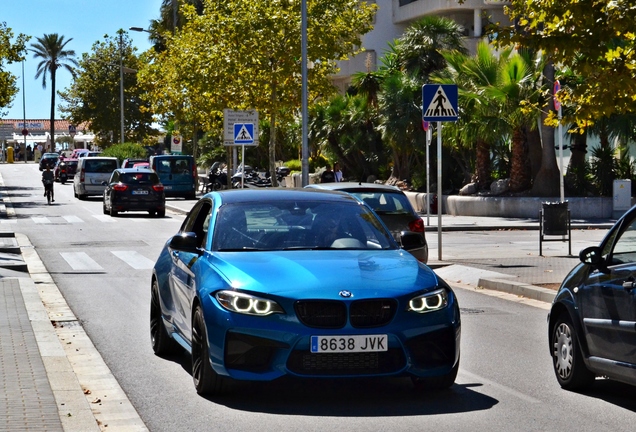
(345, 294)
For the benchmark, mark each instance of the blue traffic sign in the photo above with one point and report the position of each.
(244, 133)
(439, 102)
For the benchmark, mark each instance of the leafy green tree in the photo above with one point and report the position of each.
(94, 94)
(10, 52)
(126, 151)
(51, 49)
(595, 39)
(242, 54)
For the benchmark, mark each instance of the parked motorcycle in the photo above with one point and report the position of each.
(256, 179)
(217, 178)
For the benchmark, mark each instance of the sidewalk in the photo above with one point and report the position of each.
(44, 389)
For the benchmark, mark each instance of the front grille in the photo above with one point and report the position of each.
(321, 313)
(306, 363)
(372, 313)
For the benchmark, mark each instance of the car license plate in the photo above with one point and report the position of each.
(140, 192)
(167, 187)
(349, 344)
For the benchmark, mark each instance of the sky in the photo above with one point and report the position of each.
(83, 21)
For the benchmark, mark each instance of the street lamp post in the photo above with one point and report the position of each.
(121, 84)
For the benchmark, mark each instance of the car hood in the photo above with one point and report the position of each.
(308, 274)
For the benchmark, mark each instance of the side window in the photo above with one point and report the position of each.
(198, 221)
(625, 247)
(114, 178)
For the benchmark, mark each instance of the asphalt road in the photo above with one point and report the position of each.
(102, 267)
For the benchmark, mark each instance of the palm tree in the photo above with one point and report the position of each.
(50, 48)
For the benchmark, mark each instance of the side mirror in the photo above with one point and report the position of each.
(186, 242)
(410, 240)
(592, 255)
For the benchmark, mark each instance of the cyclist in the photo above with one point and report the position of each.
(48, 180)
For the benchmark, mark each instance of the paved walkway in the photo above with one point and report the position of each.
(42, 392)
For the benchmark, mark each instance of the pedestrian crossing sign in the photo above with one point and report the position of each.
(439, 102)
(244, 133)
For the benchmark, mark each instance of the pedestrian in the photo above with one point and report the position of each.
(327, 175)
(337, 173)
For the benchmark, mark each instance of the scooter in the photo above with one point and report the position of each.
(63, 176)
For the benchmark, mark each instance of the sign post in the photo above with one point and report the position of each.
(439, 103)
(240, 128)
(557, 106)
(427, 128)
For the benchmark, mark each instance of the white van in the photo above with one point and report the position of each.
(91, 173)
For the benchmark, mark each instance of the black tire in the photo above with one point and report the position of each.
(161, 213)
(191, 196)
(206, 381)
(567, 358)
(217, 185)
(81, 197)
(162, 343)
(104, 208)
(436, 383)
(113, 212)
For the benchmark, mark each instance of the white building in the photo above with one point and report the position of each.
(30, 133)
(394, 16)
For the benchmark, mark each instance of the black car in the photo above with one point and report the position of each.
(134, 189)
(48, 160)
(592, 322)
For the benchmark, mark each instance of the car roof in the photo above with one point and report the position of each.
(355, 186)
(275, 194)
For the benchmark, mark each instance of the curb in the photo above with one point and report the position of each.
(86, 393)
(518, 288)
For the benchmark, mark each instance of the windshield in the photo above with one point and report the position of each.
(292, 225)
(385, 202)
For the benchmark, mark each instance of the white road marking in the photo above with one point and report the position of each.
(40, 220)
(73, 219)
(80, 261)
(134, 259)
(105, 218)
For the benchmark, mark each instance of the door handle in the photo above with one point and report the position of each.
(629, 285)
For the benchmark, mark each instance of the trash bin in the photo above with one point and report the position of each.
(555, 218)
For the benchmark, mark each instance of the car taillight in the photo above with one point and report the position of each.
(194, 171)
(120, 187)
(82, 176)
(157, 188)
(417, 225)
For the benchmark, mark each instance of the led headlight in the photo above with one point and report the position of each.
(247, 304)
(429, 302)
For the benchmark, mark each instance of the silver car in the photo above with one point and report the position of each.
(390, 204)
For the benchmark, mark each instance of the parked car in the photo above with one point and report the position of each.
(129, 163)
(69, 164)
(78, 153)
(48, 160)
(263, 283)
(134, 189)
(178, 174)
(91, 173)
(592, 321)
(391, 204)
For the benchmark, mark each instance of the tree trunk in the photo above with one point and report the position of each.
(534, 149)
(483, 168)
(519, 164)
(547, 181)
